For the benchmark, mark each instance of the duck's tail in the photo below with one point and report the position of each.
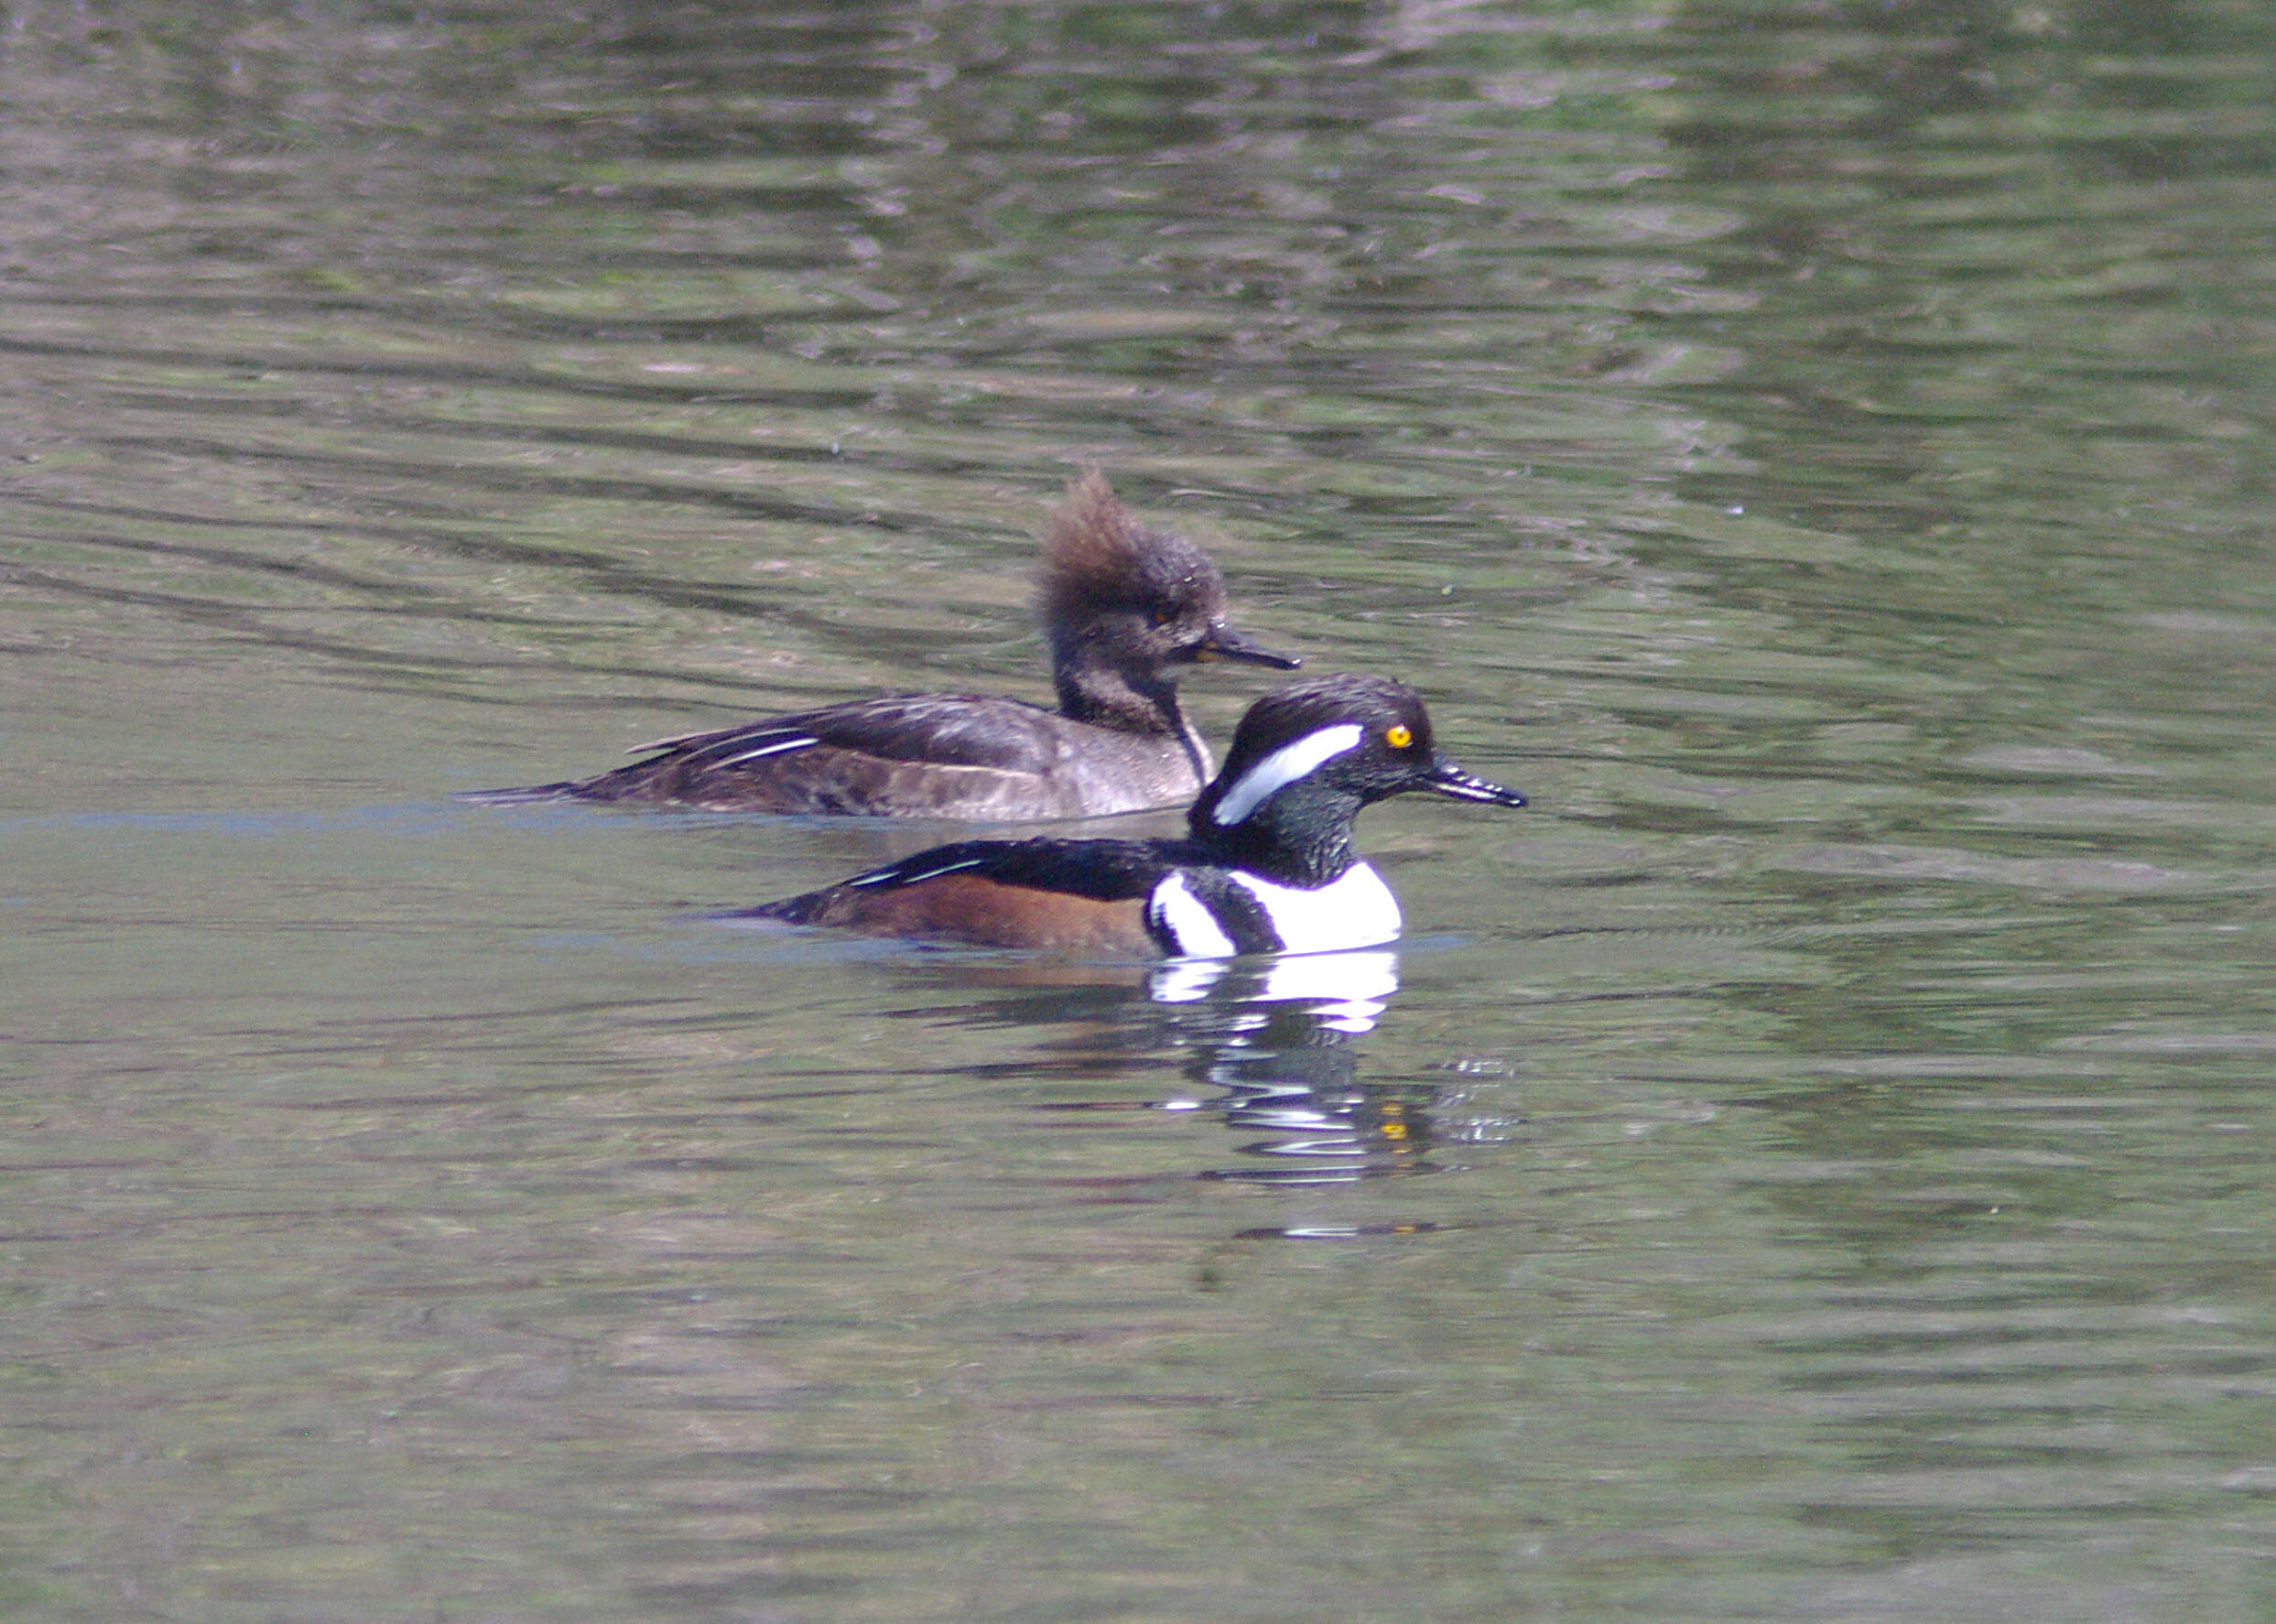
(565, 790)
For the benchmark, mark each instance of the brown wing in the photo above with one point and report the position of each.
(942, 753)
(955, 729)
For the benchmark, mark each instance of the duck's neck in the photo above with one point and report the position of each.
(1107, 697)
(1301, 836)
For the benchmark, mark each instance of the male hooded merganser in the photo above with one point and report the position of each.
(1125, 605)
(1268, 867)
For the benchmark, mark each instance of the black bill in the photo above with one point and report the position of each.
(1446, 779)
(1225, 644)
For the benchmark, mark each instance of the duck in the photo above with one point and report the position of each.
(1126, 606)
(1267, 865)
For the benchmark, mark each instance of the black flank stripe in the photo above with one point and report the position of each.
(1238, 912)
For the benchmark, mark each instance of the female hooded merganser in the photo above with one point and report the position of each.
(1125, 605)
(1268, 867)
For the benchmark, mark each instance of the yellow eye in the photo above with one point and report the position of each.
(1398, 736)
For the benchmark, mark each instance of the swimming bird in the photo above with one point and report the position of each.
(1267, 867)
(1126, 605)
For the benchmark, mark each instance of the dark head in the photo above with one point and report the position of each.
(1124, 598)
(1306, 759)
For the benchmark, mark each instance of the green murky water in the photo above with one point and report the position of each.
(1813, 1164)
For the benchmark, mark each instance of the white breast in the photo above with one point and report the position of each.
(1355, 910)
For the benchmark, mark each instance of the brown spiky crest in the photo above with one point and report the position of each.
(1091, 548)
(1097, 555)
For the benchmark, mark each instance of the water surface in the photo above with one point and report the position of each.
(1811, 1164)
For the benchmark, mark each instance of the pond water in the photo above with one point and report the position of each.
(1811, 1164)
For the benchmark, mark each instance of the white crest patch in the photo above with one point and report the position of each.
(1191, 925)
(1277, 771)
(1354, 910)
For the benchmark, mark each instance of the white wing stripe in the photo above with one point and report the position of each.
(777, 748)
(900, 874)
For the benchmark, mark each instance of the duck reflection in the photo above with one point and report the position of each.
(1275, 1038)
(1269, 1045)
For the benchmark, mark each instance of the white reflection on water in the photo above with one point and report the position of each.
(1341, 992)
(1276, 1035)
